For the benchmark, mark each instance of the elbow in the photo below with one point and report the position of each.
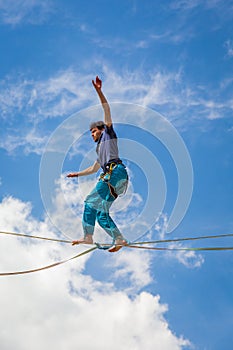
(93, 170)
(109, 124)
(95, 167)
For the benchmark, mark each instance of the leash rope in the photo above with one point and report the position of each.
(48, 266)
(37, 237)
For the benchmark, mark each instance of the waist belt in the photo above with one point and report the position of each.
(109, 165)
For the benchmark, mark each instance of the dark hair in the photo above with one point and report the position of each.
(99, 125)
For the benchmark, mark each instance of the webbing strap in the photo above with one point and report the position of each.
(104, 246)
(180, 249)
(186, 239)
(48, 266)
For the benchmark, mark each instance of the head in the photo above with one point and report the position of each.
(96, 129)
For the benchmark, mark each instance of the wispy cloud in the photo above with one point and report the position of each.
(144, 41)
(220, 10)
(185, 4)
(189, 259)
(58, 95)
(229, 47)
(168, 93)
(24, 11)
(30, 142)
(37, 102)
(208, 4)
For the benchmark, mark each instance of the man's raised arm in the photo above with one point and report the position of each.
(107, 113)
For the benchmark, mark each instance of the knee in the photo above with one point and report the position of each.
(102, 219)
(122, 186)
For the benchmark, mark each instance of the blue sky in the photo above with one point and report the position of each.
(159, 61)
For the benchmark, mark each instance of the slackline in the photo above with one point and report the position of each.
(134, 245)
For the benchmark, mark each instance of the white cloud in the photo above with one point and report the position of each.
(135, 267)
(24, 11)
(188, 258)
(63, 306)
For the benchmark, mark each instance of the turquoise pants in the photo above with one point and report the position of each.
(99, 201)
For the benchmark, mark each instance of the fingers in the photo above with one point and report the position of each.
(97, 83)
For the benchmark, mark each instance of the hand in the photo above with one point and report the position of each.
(97, 83)
(72, 175)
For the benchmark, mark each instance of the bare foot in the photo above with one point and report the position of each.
(85, 240)
(119, 243)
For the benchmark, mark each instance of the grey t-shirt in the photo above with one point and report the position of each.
(107, 148)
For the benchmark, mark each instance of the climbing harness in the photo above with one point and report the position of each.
(106, 176)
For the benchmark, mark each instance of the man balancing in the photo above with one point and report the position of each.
(112, 182)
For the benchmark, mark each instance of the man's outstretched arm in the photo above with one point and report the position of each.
(88, 171)
(107, 113)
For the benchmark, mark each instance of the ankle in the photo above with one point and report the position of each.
(88, 238)
(120, 239)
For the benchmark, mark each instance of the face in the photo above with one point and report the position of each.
(95, 133)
